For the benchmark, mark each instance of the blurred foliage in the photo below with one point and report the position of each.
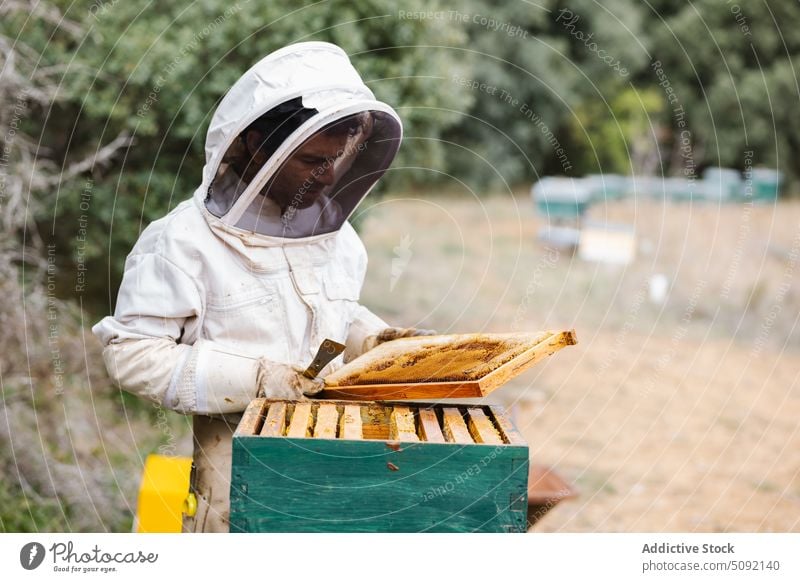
(621, 143)
(21, 513)
(734, 71)
(573, 76)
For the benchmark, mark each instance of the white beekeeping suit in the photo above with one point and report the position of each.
(232, 292)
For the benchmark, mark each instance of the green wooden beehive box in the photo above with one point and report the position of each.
(344, 466)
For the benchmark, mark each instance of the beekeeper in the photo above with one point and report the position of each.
(230, 295)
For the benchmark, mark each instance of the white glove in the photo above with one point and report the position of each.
(276, 380)
(393, 333)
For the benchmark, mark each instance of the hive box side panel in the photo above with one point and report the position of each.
(308, 485)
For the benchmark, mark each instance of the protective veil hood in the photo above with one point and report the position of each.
(325, 141)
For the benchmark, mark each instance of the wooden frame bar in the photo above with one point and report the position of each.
(402, 426)
(252, 418)
(481, 428)
(327, 421)
(300, 425)
(429, 429)
(455, 430)
(275, 421)
(351, 427)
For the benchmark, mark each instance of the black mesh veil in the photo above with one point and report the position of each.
(314, 186)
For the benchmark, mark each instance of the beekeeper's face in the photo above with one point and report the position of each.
(309, 171)
(332, 170)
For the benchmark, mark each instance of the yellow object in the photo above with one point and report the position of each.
(190, 505)
(165, 495)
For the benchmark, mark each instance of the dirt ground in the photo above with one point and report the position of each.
(673, 415)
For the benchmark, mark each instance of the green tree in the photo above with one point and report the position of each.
(734, 69)
(621, 136)
(570, 60)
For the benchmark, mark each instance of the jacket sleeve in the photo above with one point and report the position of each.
(158, 309)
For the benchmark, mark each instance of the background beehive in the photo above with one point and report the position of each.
(377, 466)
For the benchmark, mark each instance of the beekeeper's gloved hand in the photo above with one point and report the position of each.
(393, 333)
(277, 380)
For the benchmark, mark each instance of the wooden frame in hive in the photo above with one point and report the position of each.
(336, 466)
